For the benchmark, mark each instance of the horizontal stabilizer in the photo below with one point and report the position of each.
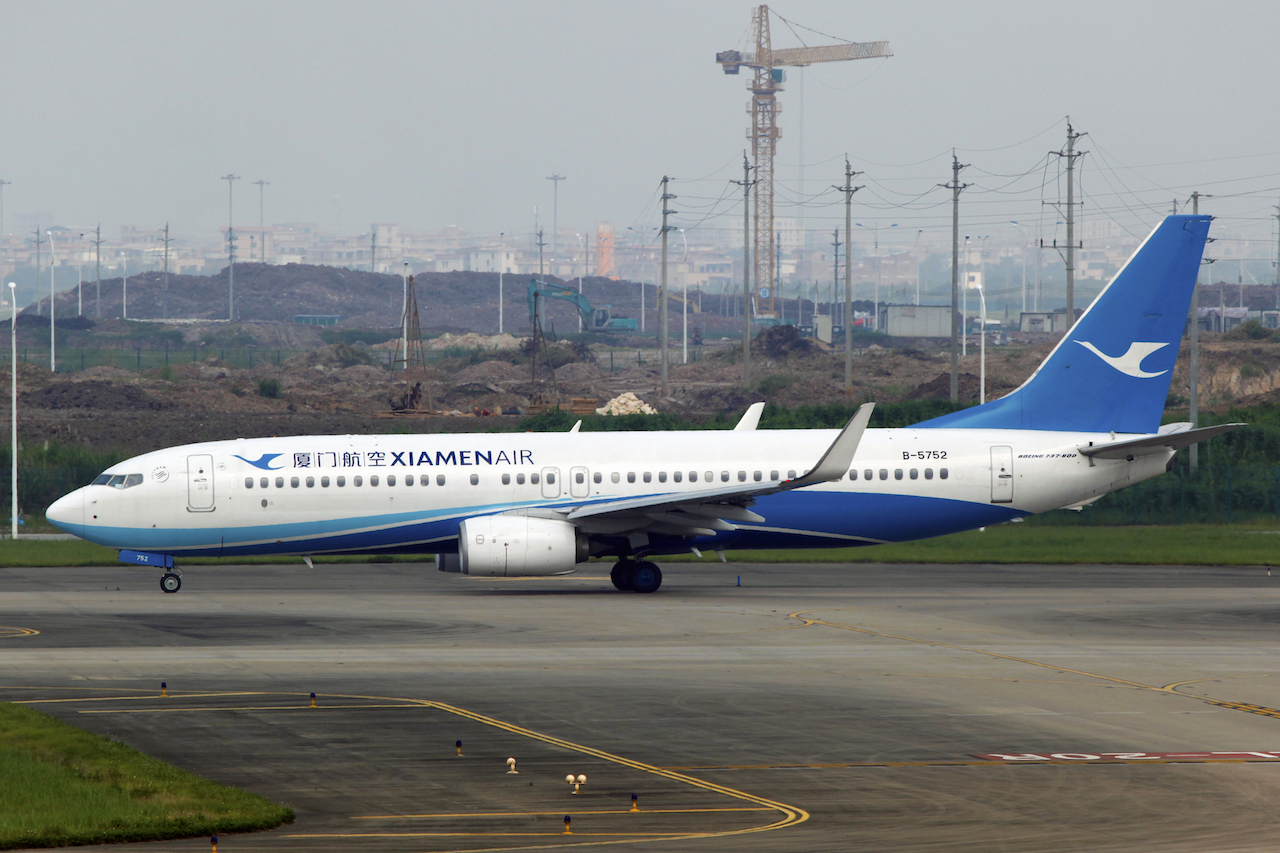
(1155, 443)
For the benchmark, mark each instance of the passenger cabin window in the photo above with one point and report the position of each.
(791, 474)
(280, 482)
(868, 474)
(391, 479)
(884, 473)
(897, 473)
(551, 477)
(373, 479)
(248, 482)
(677, 476)
(506, 479)
(648, 478)
(342, 481)
(614, 477)
(693, 476)
(757, 476)
(915, 474)
(264, 482)
(580, 477)
(928, 473)
(311, 482)
(662, 476)
(853, 475)
(293, 482)
(742, 476)
(519, 479)
(475, 479)
(773, 475)
(533, 478)
(631, 476)
(724, 476)
(408, 479)
(942, 473)
(357, 480)
(439, 479)
(324, 482)
(597, 477)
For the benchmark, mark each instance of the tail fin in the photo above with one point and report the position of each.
(1111, 371)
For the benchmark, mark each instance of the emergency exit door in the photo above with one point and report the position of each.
(1001, 475)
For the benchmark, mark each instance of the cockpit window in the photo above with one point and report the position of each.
(118, 481)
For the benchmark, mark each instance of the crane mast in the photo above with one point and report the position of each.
(766, 81)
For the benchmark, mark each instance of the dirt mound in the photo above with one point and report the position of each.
(490, 372)
(579, 372)
(92, 395)
(333, 357)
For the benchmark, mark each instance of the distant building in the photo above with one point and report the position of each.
(916, 321)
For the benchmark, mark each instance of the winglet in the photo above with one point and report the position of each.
(576, 427)
(750, 418)
(839, 456)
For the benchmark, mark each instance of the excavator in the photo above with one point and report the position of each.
(594, 319)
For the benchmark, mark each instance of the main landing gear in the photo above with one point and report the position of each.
(636, 576)
(171, 582)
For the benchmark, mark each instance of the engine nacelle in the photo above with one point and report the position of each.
(517, 545)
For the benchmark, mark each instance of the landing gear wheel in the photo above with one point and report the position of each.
(621, 575)
(645, 577)
(170, 582)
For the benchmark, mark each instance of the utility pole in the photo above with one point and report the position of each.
(662, 299)
(555, 218)
(1072, 155)
(746, 183)
(53, 308)
(1276, 208)
(97, 267)
(848, 189)
(231, 247)
(373, 248)
(1193, 380)
(164, 300)
(955, 186)
(540, 245)
(262, 219)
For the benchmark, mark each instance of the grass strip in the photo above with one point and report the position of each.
(63, 786)
(1182, 545)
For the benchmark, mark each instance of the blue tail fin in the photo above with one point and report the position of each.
(1111, 372)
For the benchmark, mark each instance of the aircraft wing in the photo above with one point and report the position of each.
(706, 511)
(1173, 439)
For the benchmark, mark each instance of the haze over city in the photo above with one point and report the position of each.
(431, 115)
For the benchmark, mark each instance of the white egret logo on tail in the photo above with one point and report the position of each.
(1130, 364)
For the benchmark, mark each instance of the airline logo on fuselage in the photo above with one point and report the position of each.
(264, 461)
(405, 458)
(1130, 364)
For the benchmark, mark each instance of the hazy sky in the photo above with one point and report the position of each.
(431, 113)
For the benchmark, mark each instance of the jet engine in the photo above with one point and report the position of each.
(517, 545)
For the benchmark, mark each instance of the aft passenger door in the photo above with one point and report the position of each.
(200, 483)
(551, 482)
(579, 483)
(1001, 475)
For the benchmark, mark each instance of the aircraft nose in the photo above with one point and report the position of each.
(67, 512)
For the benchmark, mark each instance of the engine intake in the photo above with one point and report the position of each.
(519, 546)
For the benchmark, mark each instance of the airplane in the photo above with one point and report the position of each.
(1086, 423)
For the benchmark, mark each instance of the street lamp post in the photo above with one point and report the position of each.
(982, 346)
(231, 247)
(502, 269)
(13, 411)
(53, 311)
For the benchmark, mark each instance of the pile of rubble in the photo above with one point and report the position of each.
(626, 403)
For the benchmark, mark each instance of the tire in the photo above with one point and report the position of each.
(646, 577)
(170, 583)
(621, 575)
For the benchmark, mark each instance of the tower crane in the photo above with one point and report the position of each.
(767, 79)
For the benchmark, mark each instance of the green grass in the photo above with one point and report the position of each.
(1187, 544)
(64, 786)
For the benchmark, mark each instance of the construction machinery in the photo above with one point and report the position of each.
(767, 80)
(594, 318)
